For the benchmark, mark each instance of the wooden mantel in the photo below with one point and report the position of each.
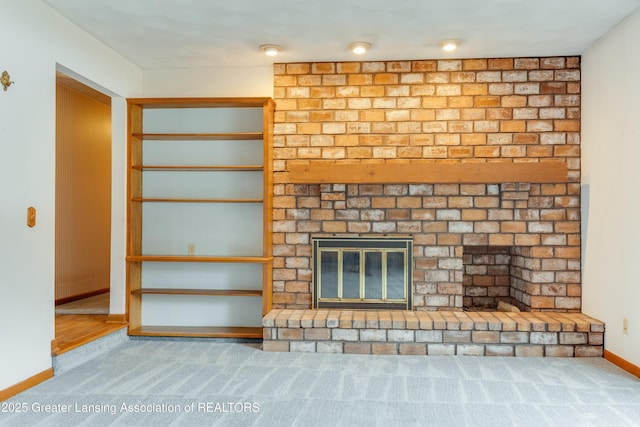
(328, 172)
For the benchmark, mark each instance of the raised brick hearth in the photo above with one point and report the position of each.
(434, 333)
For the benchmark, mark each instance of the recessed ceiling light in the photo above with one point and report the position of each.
(271, 49)
(449, 45)
(359, 47)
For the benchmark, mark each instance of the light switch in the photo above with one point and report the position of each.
(31, 216)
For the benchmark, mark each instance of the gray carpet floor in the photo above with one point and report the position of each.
(202, 383)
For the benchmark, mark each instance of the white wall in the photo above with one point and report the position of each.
(36, 41)
(209, 82)
(610, 175)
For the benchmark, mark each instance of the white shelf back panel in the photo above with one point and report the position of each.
(196, 310)
(215, 229)
(202, 184)
(203, 153)
(201, 275)
(202, 120)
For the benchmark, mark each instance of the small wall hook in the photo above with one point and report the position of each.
(5, 79)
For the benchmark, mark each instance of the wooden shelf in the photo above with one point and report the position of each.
(198, 331)
(327, 172)
(250, 102)
(235, 136)
(171, 168)
(191, 258)
(173, 200)
(210, 292)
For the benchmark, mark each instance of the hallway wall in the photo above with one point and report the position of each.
(83, 192)
(37, 41)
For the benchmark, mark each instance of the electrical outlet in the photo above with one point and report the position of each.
(625, 326)
(191, 249)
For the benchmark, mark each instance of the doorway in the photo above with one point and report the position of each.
(83, 211)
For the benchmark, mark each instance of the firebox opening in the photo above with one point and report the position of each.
(362, 272)
(495, 275)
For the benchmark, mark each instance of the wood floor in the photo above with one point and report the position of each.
(74, 330)
(96, 304)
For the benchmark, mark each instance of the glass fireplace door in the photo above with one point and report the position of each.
(362, 273)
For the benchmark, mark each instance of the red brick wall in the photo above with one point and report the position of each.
(471, 110)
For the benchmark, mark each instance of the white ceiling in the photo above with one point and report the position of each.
(216, 33)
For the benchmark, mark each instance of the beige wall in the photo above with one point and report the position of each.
(610, 175)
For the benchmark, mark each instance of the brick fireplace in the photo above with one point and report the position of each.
(477, 161)
(334, 120)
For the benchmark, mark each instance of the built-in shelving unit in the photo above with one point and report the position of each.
(199, 215)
